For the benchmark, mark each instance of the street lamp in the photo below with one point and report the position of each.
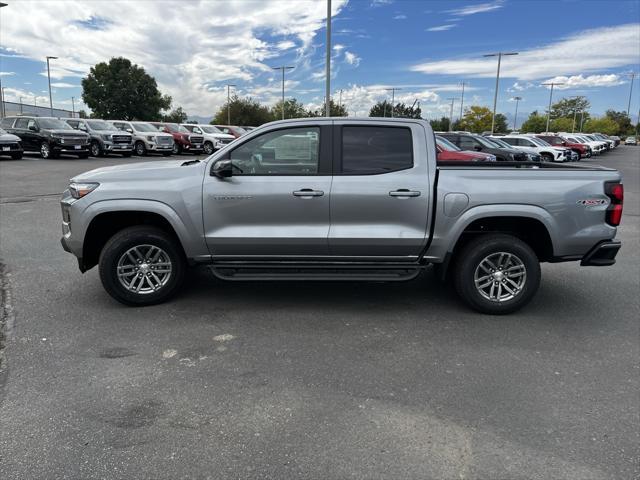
(2, 110)
(327, 97)
(283, 68)
(73, 107)
(451, 113)
(553, 84)
(49, 77)
(462, 99)
(515, 117)
(575, 113)
(393, 97)
(229, 85)
(632, 75)
(495, 95)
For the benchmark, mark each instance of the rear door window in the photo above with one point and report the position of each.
(371, 150)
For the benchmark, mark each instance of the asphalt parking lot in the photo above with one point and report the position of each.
(310, 380)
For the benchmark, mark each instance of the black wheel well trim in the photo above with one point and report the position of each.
(106, 224)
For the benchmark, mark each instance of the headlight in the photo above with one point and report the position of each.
(79, 190)
(106, 136)
(150, 138)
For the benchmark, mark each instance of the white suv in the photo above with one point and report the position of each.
(214, 139)
(146, 137)
(529, 144)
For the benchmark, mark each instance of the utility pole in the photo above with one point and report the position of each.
(49, 77)
(340, 101)
(495, 95)
(229, 85)
(632, 75)
(451, 113)
(283, 68)
(462, 99)
(581, 119)
(393, 97)
(3, 99)
(327, 108)
(2, 107)
(553, 84)
(515, 117)
(73, 107)
(20, 105)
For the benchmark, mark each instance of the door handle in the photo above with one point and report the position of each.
(308, 192)
(403, 192)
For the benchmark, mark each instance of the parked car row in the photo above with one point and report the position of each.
(52, 137)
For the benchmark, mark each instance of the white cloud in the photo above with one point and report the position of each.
(351, 58)
(578, 81)
(338, 47)
(63, 85)
(7, 74)
(400, 17)
(380, 3)
(358, 99)
(476, 8)
(188, 54)
(590, 50)
(442, 28)
(520, 86)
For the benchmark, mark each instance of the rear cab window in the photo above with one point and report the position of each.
(372, 150)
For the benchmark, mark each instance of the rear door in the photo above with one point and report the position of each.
(28, 137)
(276, 204)
(380, 193)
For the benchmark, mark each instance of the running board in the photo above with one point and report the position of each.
(345, 272)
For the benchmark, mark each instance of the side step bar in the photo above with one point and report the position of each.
(392, 272)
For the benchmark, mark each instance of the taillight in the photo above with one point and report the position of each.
(615, 191)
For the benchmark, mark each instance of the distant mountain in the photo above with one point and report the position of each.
(197, 119)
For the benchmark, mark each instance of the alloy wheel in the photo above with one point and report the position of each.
(500, 276)
(144, 269)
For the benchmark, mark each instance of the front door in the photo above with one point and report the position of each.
(276, 203)
(380, 192)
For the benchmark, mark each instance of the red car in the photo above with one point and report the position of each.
(448, 152)
(231, 130)
(183, 139)
(557, 141)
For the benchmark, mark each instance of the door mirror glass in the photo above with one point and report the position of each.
(222, 169)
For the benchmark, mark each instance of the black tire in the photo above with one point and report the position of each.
(208, 148)
(177, 148)
(116, 248)
(140, 148)
(96, 149)
(16, 156)
(127, 154)
(547, 157)
(46, 152)
(83, 156)
(481, 248)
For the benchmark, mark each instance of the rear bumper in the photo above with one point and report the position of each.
(602, 255)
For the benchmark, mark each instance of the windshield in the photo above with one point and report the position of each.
(445, 144)
(209, 129)
(239, 130)
(100, 125)
(493, 143)
(539, 142)
(144, 127)
(175, 128)
(54, 123)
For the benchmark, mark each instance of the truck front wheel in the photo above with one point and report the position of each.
(497, 274)
(142, 266)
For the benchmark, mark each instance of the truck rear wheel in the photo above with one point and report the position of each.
(497, 274)
(142, 266)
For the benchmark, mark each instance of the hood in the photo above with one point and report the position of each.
(222, 135)
(111, 132)
(69, 133)
(152, 134)
(160, 170)
(7, 137)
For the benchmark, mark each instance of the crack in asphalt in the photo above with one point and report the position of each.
(6, 317)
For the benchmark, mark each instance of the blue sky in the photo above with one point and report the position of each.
(425, 48)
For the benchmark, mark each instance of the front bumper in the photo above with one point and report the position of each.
(159, 148)
(117, 147)
(602, 255)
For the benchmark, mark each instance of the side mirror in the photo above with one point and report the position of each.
(33, 128)
(130, 130)
(222, 169)
(477, 148)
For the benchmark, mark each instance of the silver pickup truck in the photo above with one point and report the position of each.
(340, 199)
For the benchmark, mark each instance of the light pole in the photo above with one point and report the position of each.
(462, 99)
(451, 113)
(553, 84)
(632, 75)
(515, 117)
(340, 100)
(575, 113)
(581, 119)
(73, 107)
(2, 110)
(327, 97)
(229, 85)
(49, 77)
(393, 97)
(283, 68)
(20, 105)
(495, 95)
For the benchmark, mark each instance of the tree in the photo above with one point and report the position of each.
(478, 119)
(292, 109)
(622, 119)
(383, 109)
(120, 90)
(566, 107)
(536, 123)
(82, 114)
(441, 125)
(601, 125)
(562, 124)
(244, 112)
(176, 116)
(334, 109)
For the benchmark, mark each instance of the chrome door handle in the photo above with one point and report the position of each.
(403, 192)
(307, 192)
